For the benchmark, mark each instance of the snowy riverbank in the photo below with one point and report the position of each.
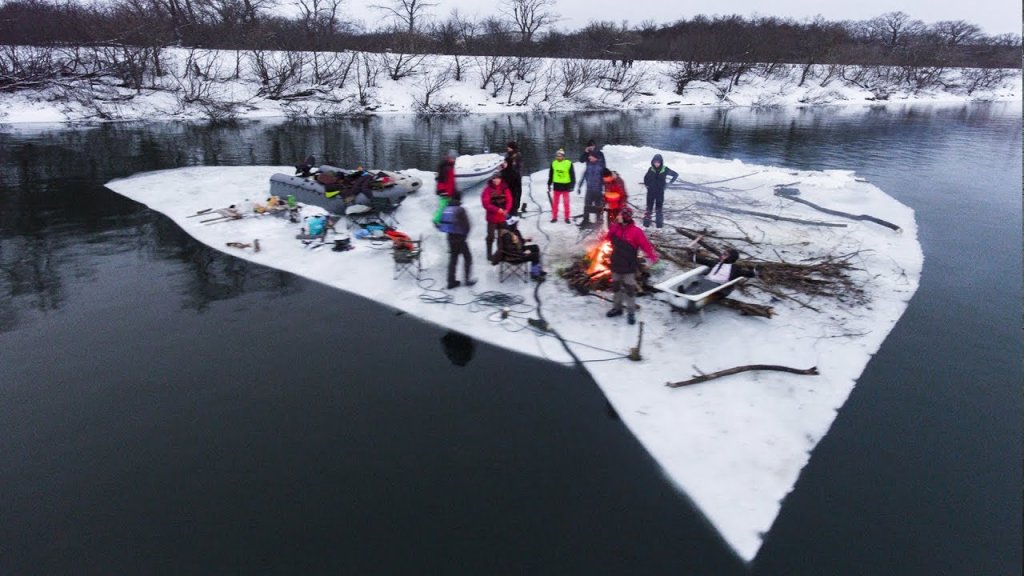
(202, 85)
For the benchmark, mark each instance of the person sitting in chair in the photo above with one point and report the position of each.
(720, 270)
(512, 246)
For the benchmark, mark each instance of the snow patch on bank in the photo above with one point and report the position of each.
(230, 88)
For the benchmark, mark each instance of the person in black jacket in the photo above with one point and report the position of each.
(655, 181)
(591, 148)
(512, 174)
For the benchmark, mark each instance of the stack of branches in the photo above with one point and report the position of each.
(579, 277)
(828, 276)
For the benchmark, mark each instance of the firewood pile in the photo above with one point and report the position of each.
(828, 276)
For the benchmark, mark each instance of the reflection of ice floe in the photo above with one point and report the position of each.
(735, 445)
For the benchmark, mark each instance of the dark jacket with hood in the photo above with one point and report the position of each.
(655, 178)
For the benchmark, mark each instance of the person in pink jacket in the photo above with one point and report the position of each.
(497, 200)
(627, 240)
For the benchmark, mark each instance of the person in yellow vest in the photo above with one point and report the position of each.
(561, 177)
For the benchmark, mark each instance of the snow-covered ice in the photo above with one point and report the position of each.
(735, 445)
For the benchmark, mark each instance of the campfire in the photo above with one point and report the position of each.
(600, 261)
(593, 271)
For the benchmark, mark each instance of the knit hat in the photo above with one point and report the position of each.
(560, 152)
(626, 213)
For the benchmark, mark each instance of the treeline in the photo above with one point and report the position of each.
(523, 28)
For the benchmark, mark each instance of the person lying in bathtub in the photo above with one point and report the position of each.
(720, 270)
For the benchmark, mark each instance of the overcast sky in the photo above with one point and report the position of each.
(993, 16)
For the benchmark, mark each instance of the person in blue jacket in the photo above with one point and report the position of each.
(655, 181)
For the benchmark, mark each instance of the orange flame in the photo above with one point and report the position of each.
(600, 260)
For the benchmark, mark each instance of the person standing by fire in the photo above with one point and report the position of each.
(614, 193)
(627, 240)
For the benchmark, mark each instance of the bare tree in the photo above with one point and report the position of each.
(406, 13)
(529, 16)
(894, 29)
(956, 32)
(319, 20)
(454, 37)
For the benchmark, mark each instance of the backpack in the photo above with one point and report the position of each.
(448, 223)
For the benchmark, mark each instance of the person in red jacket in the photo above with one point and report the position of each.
(627, 240)
(445, 183)
(497, 201)
(614, 194)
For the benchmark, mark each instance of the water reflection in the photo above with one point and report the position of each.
(458, 347)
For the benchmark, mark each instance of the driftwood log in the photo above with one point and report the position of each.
(791, 194)
(813, 371)
(771, 216)
(747, 308)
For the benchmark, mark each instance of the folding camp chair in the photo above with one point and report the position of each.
(406, 254)
(380, 210)
(513, 267)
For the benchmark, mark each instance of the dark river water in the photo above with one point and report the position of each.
(166, 408)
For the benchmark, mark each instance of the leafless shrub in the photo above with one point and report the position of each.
(278, 72)
(368, 69)
(26, 67)
(518, 78)
(683, 73)
(578, 75)
(400, 66)
(491, 67)
(924, 77)
(129, 64)
(333, 69)
(974, 79)
(429, 85)
(626, 82)
(196, 80)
